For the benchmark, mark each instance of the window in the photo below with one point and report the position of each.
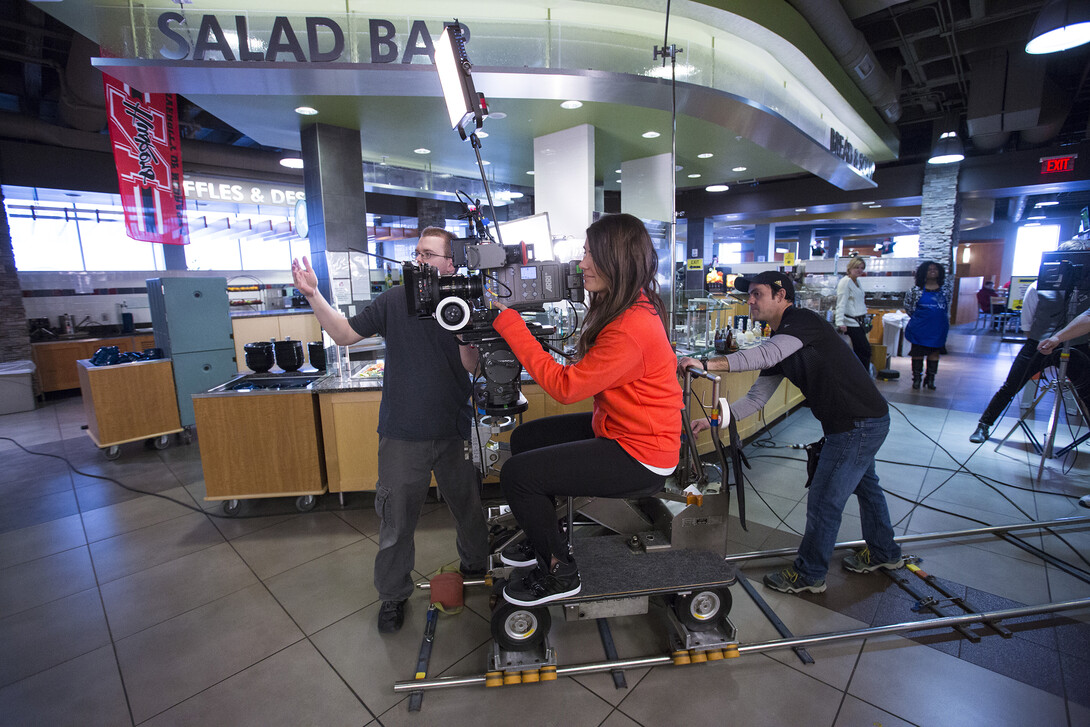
(1032, 241)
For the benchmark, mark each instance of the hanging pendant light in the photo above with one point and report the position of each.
(1061, 25)
(948, 150)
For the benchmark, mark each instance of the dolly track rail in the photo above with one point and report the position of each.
(758, 554)
(789, 643)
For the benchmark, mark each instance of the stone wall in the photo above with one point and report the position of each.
(939, 214)
(14, 337)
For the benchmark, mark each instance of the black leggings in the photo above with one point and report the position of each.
(560, 456)
(860, 344)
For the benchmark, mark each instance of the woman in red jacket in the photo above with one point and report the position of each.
(629, 444)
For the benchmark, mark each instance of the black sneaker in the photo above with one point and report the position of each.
(391, 615)
(538, 587)
(519, 555)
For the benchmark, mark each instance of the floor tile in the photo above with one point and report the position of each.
(81, 692)
(43, 637)
(37, 541)
(371, 662)
(37, 510)
(856, 713)
(46, 579)
(327, 589)
(170, 662)
(735, 687)
(285, 545)
(156, 594)
(139, 512)
(951, 685)
(129, 553)
(1008, 577)
(292, 687)
(619, 719)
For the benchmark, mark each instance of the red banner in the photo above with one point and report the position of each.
(147, 152)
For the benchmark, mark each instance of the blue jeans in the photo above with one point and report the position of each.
(846, 465)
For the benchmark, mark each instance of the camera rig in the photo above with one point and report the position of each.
(463, 304)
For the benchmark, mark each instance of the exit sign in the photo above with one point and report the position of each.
(1057, 165)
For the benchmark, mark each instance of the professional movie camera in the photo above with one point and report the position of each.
(463, 303)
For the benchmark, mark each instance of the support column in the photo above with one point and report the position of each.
(337, 214)
(698, 245)
(174, 257)
(939, 213)
(14, 341)
(564, 180)
(806, 240)
(764, 244)
(647, 187)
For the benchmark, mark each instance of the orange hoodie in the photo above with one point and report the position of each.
(631, 372)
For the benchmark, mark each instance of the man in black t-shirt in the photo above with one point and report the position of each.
(423, 421)
(806, 350)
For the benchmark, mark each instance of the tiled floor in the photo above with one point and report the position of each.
(121, 608)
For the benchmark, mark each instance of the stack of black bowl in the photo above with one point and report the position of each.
(259, 356)
(289, 354)
(316, 352)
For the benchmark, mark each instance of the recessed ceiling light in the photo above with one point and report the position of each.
(486, 162)
(616, 171)
(531, 172)
(482, 134)
(651, 135)
(867, 203)
(571, 105)
(800, 209)
(705, 155)
(716, 188)
(874, 206)
(306, 111)
(292, 162)
(1036, 217)
(1032, 224)
(738, 169)
(618, 181)
(1046, 204)
(694, 176)
(497, 115)
(421, 150)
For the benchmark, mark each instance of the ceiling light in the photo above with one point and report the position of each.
(800, 209)
(1048, 203)
(571, 104)
(292, 162)
(705, 155)
(306, 111)
(616, 171)
(716, 188)
(1061, 25)
(531, 172)
(482, 134)
(486, 162)
(497, 115)
(1036, 217)
(421, 150)
(948, 150)
(694, 176)
(738, 169)
(651, 135)
(1032, 224)
(618, 181)
(874, 206)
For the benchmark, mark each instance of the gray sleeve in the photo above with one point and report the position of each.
(756, 397)
(765, 356)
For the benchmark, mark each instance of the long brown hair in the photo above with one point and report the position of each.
(626, 262)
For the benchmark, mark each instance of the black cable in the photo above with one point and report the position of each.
(138, 491)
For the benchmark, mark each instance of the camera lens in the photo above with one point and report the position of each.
(462, 286)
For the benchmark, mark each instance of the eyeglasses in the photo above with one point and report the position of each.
(427, 256)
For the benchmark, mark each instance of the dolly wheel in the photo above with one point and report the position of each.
(518, 628)
(161, 442)
(306, 503)
(702, 610)
(231, 507)
(112, 453)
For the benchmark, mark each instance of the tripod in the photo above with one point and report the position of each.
(1062, 385)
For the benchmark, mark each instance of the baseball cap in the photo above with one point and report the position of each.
(769, 277)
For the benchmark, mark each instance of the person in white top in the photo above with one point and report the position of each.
(851, 309)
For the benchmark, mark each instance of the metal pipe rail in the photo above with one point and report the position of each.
(790, 643)
(757, 554)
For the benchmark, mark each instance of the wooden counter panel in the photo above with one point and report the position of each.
(128, 401)
(260, 445)
(55, 361)
(350, 439)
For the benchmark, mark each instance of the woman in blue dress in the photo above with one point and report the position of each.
(928, 305)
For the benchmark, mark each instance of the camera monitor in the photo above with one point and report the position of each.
(1065, 271)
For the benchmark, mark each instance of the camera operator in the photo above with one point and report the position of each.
(1077, 328)
(423, 421)
(629, 444)
(807, 351)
